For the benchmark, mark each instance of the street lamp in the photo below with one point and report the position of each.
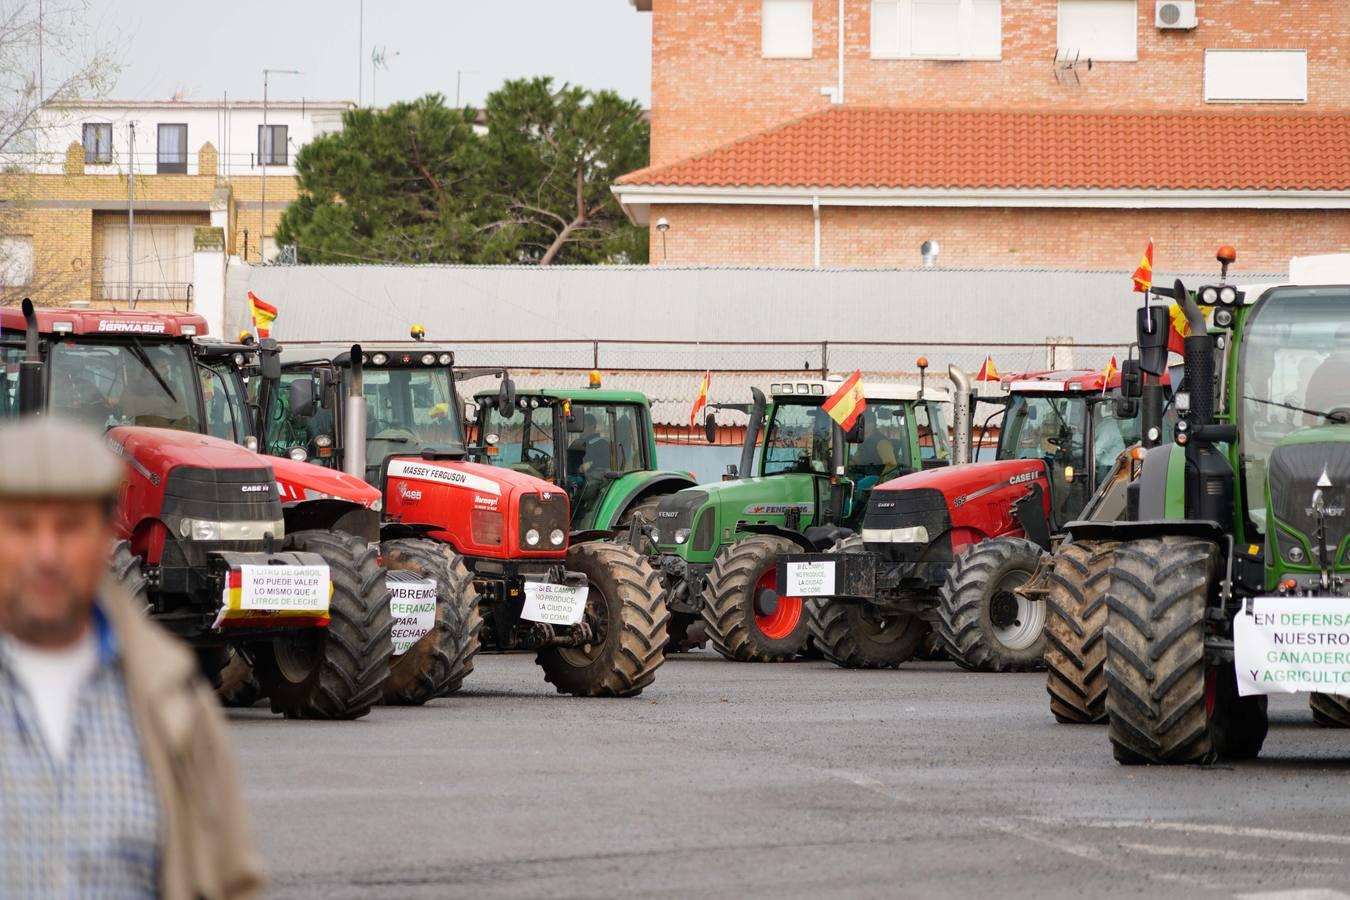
(267, 135)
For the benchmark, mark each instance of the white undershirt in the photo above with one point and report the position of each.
(52, 680)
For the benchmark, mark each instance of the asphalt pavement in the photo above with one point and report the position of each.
(791, 780)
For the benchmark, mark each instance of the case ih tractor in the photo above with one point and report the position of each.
(949, 548)
(205, 538)
(717, 544)
(494, 539)
(598, 445)
(1231, 575)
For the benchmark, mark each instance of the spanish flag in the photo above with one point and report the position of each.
(264, 314)
(988, 372)
(1143, 276)
(1112, 369)
(702, 399)
(1180, 330)
(847, 403)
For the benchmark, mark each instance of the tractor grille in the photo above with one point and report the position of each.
(677, 511)
(1293, 476)
(925, 507)
(222, 495)
(544, 516)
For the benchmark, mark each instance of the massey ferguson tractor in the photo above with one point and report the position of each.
(495, 540)
(948, 549)
(1230, 577)
(717, 544)
(205, 540)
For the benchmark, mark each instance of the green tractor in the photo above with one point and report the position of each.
(596, 444)
(717, 545)
(1229, 579)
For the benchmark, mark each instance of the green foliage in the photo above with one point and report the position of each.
(414, 183)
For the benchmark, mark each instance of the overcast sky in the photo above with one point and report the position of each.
(206, 49)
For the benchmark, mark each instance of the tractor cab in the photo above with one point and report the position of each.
(597, 444)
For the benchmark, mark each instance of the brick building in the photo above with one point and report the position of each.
(1022, 133)
(64, 200)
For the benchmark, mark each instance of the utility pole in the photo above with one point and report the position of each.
(266, 143)
(131, 212)
(360, 50)
(42, 88)
(459, 80)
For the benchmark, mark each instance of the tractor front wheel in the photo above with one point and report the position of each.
(1330, 710)
(626, 612)
(859, 636)
(336, 672)
(438, 663)
(747, 619)
(1075, 658)
(986, 625)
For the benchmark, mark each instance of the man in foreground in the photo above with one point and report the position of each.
(116, 777)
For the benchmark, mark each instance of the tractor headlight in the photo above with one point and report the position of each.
(1228, 295)
(1209, 296)
(532, 537)
(681, 535)
(428, 359)
(1295, 554)
(1223, 318)
(298, 454)
(380, 359)
(446, 359)
(556, 537)
(207, 530)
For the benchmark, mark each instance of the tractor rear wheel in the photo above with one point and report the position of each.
(747, 620)
(1330, 710)
(1075, 655)
(1164, 706)
(336, 672)
(986, 625)
(438, 663)
(626, 610)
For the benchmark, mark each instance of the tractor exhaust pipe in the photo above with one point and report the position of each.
(354, 422)
(30, 370)
(752, 430)
(963, 414)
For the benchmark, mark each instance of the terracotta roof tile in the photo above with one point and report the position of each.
(907, 148)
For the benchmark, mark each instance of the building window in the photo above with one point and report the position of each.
(787, 29)
(1101, 30)
(271, 145)
(1256, 76)
(16, 260)
(937, 29)
(172, 150)
(97, 143)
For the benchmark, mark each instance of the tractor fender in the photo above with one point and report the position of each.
(392, 531)
(633, 488)
(1145, 528)
(775, 531)
(1162, 483)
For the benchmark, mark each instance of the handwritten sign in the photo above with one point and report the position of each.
(555, 604)
(809, 579)
(412, 603)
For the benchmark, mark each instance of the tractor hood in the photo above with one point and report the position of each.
(1308, 468)
(153, 452)
(692, 522)
(298, 482)
(974, 500)
(481, 510)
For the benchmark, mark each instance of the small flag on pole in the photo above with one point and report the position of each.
(264, 314)
(702, 399)
(847, 403)
(1143, 276)
(1112, 369)
(988, 372)
(1180, 330)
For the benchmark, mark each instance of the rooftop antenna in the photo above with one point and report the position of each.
(1068, 62)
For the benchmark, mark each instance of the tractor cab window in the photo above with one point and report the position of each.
(608, 443)
(137, 383)
(9, 381)
(797, 440)
(225, 411)
(935, 441)
(286, 431)
(1295, 370)
(885, 449)
(1110, 436)
(408, 410)
(1050, 428)
(524, 438)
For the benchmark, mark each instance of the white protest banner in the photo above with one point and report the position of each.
(555, 604)
(412, 603)
(809, 579)
(281, 588)
(1292, 644)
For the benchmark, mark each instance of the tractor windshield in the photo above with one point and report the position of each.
(1295, 372)
(152, 383)
(408, 410)
(524, 439)
(1050, 427)
(797, 440)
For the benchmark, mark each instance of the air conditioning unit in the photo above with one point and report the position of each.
(1175, 15)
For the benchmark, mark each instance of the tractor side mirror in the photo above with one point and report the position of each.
(1126, 408)
(1153, 327)
(576, 422)
(710, 428)
(324, 379)
(506, 394)
(732, 472)
(269, 359)
(1131, 380)
(301, 397)
(857, 433)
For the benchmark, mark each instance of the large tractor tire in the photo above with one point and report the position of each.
(126, 571)
(1163, 706)
(1075, 658)
(336, 672)
(1330, 710)
(438, 663)
(986, 625)
(747, 620)
(857, 635)
(626, 610)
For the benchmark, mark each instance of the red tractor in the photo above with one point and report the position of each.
(945, 549)
(205, 539)
(495, 540)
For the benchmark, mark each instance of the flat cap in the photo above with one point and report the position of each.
(50, 458)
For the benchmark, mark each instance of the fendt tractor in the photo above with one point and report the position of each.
(596, 444)
(205, 539)
(946, 550)
(1230, 577)
(494, 539)
(717, 544)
